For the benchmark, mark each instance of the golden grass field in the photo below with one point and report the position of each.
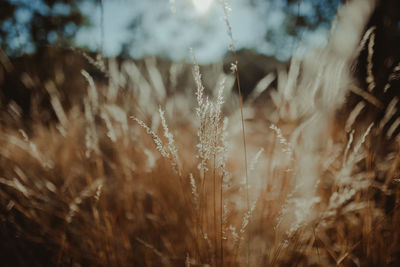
(137, 174)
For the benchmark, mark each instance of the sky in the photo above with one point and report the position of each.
(170, 28)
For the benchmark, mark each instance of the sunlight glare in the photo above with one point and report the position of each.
(202, 5)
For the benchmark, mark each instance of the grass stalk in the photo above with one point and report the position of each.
(215, 210)
(221, 222)
(244, 143)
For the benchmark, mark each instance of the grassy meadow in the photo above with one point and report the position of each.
(166, 164)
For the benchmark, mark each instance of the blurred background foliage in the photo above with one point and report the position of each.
(39, 39)
(30, 26)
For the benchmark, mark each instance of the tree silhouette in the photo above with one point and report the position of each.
(308, 14)
(30, 26)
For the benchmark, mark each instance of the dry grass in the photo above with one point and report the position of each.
(137, 177)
